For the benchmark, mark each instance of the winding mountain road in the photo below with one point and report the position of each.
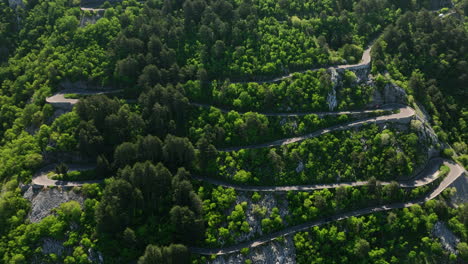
(428, 175)
(92, 9)
(389, 107)
(365, 62)
(60, 101)
(404, 116)
(41, 179)
(455, 172)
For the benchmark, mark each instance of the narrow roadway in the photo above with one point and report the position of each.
(40, 178)
(365, 60)
(428, 175)
(92, 9)
(405, 114)
(59, 98)
(455, 172)
(319, 114)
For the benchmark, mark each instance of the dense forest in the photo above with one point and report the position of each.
(147, 141)
(337, 157)
(428, 56)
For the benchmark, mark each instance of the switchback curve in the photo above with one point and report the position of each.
(455, 172)
(41, 179)
(429, 174)
(404, 116)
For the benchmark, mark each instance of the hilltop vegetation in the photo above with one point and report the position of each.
(148, 141)
(432, 62)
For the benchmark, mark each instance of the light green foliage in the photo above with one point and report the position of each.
(172, 49)
(234, 129)
(272, 223)
(256, 197)
(349, 155)
(242, 176)
(70, 211)
(303, 92)
(378, 238)
(214, 207)
(429, 73)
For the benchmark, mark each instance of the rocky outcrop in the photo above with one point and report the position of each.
(43, 200)
(54, 246)
(390, 94)
(278, 252)
(90, 17)
(461, 186)
(448, 240)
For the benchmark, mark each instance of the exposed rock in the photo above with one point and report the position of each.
(447, 238)
(331, 98)
(52, 246)
(300, 167)
(95, 256)
(268, 201)
(390, 94)
(277, 252)
(44, 200)
(90, 18)
(461, 185)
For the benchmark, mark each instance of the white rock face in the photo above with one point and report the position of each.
(53, 246)
(331, 99)
(275, 252)
(461, 184)
(43, 201)
(447, 238)
(300, 167)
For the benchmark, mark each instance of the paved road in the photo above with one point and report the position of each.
(40, 178)
(428, 175)
(455, 172)
(365, 60)
(404, 114)
(319, 114)
(92, 9)
(59, 98)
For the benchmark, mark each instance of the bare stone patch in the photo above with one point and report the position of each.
(276, 252)
(461, 185)
(447, 238)
(266, 203)
(44, 200)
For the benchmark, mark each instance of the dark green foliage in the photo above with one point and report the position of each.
(162, 52)
(178, 152)
(173, 254)
(378, 238)
(347, 155)
(303, 92)
(426, 52)
(7, 30)
(61, 169)
(118, 206)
